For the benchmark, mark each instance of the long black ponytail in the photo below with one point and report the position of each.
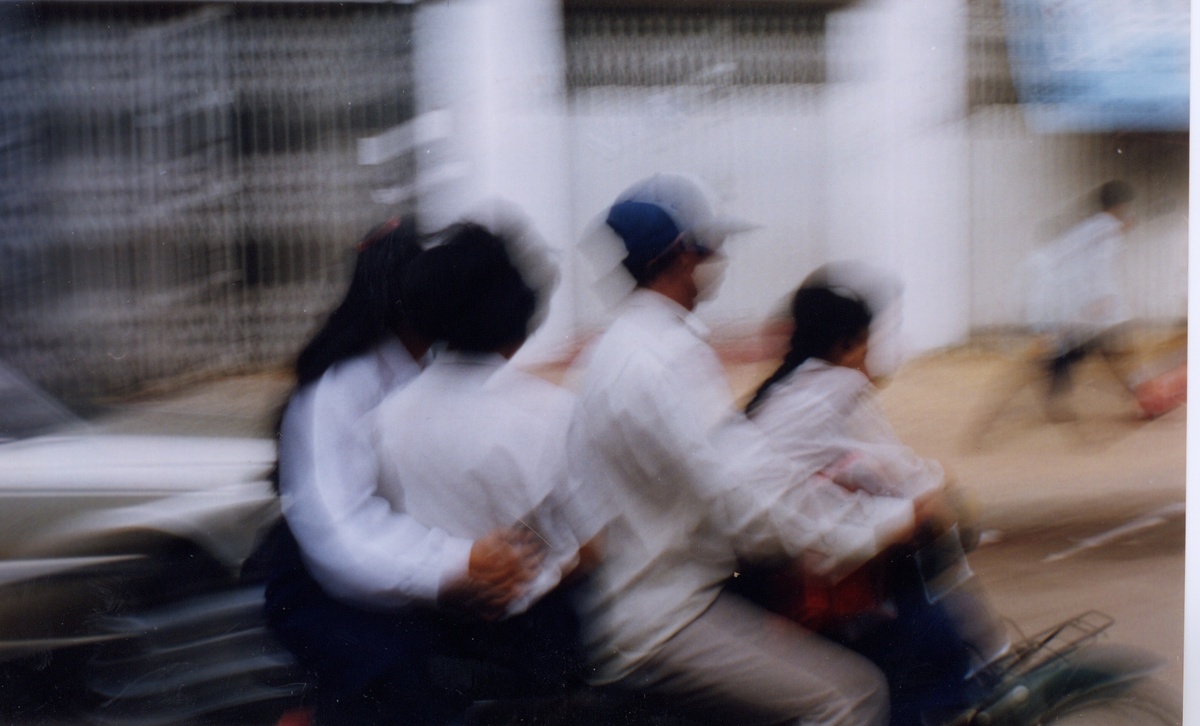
(372, 304)
(821, 318)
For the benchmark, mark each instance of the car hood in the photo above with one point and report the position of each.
(164, 464)
(78, 494)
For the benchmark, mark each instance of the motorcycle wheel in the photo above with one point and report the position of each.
(1146, 703)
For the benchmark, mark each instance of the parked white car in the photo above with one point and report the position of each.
(120, 558)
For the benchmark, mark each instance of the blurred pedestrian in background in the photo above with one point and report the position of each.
(1074, 299)
(696, 487)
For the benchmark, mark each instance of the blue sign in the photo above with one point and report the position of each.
(1101, 65)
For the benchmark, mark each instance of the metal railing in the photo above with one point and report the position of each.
(181, 181)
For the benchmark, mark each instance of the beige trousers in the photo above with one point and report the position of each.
(739, 664)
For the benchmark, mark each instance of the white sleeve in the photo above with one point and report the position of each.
(757, 496)
(883, 459)
(770, 503)
(1039, 291)
(355, 543)
(1111, 309)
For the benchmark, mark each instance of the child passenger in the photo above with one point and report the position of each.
(820, 407)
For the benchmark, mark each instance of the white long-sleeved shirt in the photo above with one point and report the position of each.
(356, 542)
(1073, 291)
(827, 419)
(474, 444)
(693, 485)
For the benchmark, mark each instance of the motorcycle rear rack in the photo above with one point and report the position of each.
(1031, 666)
(1054, 643)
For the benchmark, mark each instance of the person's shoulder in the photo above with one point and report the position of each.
(1098, 226)
(837, 386)
(627, 343)
(346, 392)
(525, 400)
(818, 372)
(638, 357)
(352, 371)
(397, 398)
(647, 346)
(1102, 224)
(300, 407)
(668, 335)
(351, 380)
(518, 382)
(849, 378)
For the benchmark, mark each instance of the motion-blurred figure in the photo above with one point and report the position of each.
(696, 487)
(346, 565)
(820, 407)
(475, 445)
(1074, 299)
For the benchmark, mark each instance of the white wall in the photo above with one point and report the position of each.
(881, 163)
(897, 155)
(871, 165)
(762, 151)
(492, 69)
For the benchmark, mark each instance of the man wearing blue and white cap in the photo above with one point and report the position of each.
(694, 489)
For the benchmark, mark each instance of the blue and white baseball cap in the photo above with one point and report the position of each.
(664, 210)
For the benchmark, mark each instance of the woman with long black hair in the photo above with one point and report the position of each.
(820, 407)
(349, 562)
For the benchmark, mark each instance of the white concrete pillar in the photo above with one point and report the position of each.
(491, 73)
(898, 155)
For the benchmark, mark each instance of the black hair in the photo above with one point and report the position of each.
(372, 305)
(822, 318)
(370, 309)
(1115, 193)
(644, 272)
(466, 291)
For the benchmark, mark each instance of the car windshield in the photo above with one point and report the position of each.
(26, 410)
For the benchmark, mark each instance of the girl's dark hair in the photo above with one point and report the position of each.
(822, 318)
(372, 305)
(466, 291)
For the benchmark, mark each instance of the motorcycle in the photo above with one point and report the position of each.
(891, 611)
(212, 656)
(1066, 675)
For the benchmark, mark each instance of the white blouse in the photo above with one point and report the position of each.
(827, 419)
(475, 444)
(356, 543)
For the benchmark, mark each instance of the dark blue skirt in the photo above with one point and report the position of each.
(414, 665)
